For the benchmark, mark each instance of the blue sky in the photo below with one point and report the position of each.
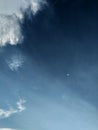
(48, 65)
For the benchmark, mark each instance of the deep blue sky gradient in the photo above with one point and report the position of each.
(59, 77)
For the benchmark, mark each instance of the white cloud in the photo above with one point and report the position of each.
(19, 108)
(7, 129)
(20, 105)
(7, 113)
(36, 5)
(15, 62)
(9, 6)
(10, 29)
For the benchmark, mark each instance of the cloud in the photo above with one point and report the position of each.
(34, 5)
(10, 28)
(15, 62)
(7, 113)
(19, 108)
(9, 6)
(7, 129)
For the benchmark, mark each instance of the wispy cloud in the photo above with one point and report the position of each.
(10, 30)
(15, 62)
(19, 108)
(7, 129)
(36, 5)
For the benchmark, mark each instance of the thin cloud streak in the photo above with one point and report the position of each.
(12, 111)
(7, 129)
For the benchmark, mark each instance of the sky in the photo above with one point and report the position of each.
(48, 65)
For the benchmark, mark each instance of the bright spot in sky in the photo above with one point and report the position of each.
(67, 74)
